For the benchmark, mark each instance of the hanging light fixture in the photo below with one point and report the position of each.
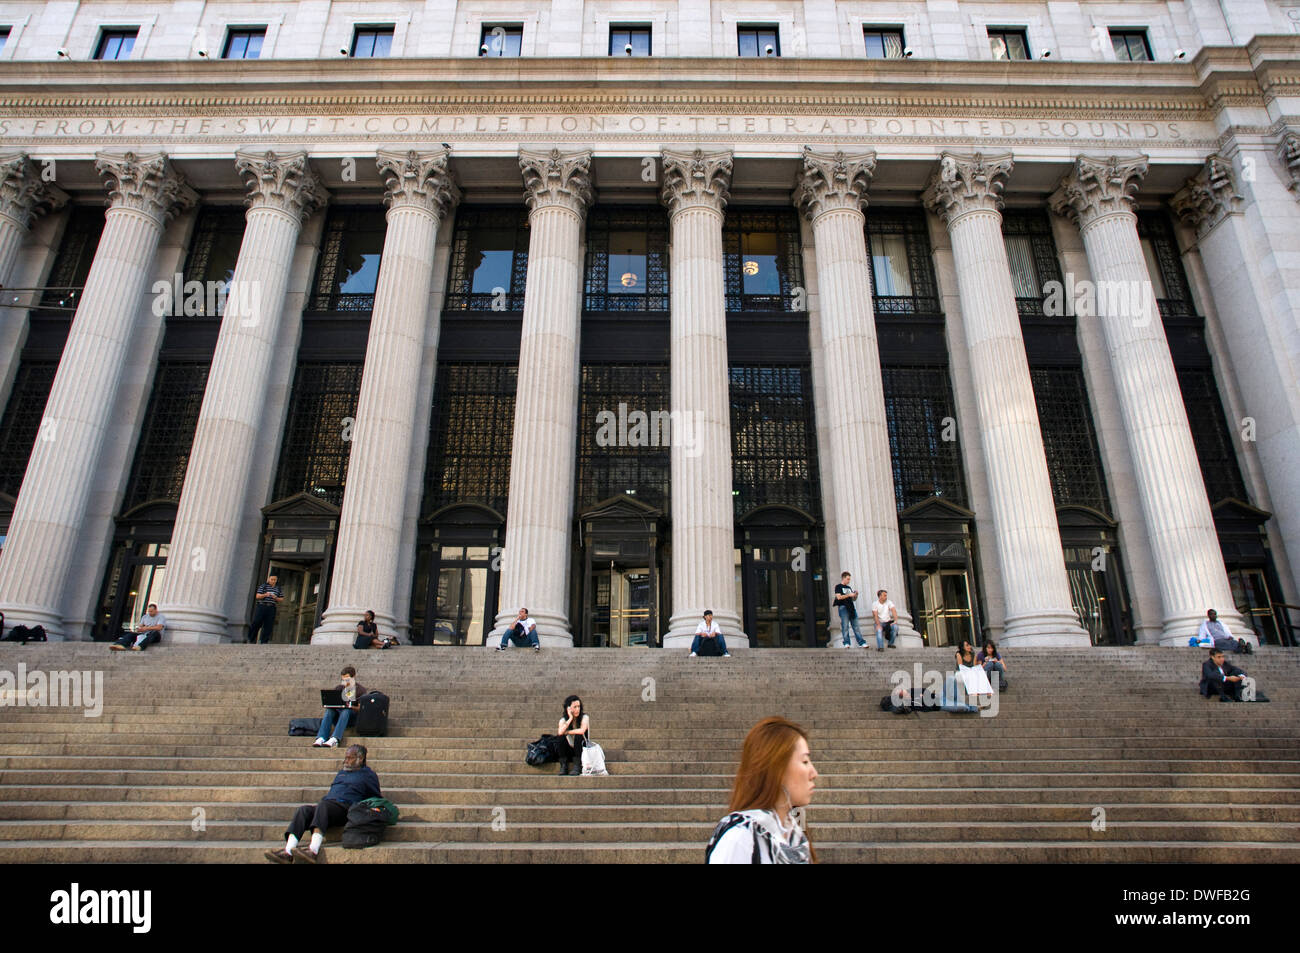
(629, 279)
(751, 267)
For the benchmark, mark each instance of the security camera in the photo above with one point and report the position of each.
(628, 49)
(768, 50)
(63, 54)
(203, 52)
(483, 50)
(907, 52)
(343, 51)
(1180, 54)
(1045, 55)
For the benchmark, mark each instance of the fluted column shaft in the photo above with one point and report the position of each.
(420, 192)
(52, 502)
(23, 197)
(1188, 562)
(200, 567)
(703, 533)
(831, 193)
(539, 531)
(966, 194)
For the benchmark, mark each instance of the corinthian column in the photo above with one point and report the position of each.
(966, 193)
(703, 572)
(23, 198)
(1098, 196)
(283, 192)
(535, 565)
(832, 193)
(419, 193)
(145, 192)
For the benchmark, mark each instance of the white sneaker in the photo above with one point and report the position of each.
(318, 743)
(332, 743)
(726, 655)
(693, 655)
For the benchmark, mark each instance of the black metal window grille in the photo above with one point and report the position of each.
(627, 260)
(1165, 265)
(762, 262)
(1215, 447)
(902, 271)
(167, 436)
(489, 260)
(72, 264)
(22, 420)
(773, 438)
(214, 249)
(614, 456)
(318, 431)
(919, 411)
(1069, 438)
(348, 270)
(1031, 255)
(471, 432)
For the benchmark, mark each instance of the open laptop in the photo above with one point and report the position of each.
(332, 698)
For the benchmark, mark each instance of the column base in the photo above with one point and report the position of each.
(1051, 629)
(193, 626)
(338, 626)
(32, 616)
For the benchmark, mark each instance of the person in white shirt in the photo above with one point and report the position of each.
(776, 777)
(886, 615)
(1213, 632)
(708, 629)
(522, 632)
(148, 632)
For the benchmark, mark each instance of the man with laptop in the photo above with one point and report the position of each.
(341, 707)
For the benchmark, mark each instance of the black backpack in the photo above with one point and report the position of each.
(887, 704)
(539, 752)
(21, 633)
(373, 717)
(366, 825)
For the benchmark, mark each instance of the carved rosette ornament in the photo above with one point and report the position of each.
(696, 179)
(829, 182)
(23, 194)
(1288, 150)
(418, 180)
(967, 183)
(284, 183)
(1097, 187)
(557, 178)
(147, 184)
(1208, 196)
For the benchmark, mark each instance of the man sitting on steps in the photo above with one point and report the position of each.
(354, 783)
(708, 638)
(1222, 678)
(522, 632)
(147, 633)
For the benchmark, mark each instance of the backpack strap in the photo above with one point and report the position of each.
(726, 824)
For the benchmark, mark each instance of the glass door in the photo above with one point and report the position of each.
(622, 607)
(144, 571)
(1251, 596)
(943, 611)
(295, 619)
(1097, 594)
(780, 599)
(462, 596)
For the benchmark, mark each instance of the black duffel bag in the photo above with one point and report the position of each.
(365, 827)
(539, 751)
(304, 726)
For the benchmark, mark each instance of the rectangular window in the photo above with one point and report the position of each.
(627, 260)
(501, 39)
(902, 275)
(76, 254)
(1031, 255)
(1131, 45)
(1008, 43)
(629, 40)
(314, 453)
(889, 265)
(244, 43)
(762, 262)
(759, 40)
(4, 37)
(116, 44)
(372, 41)
(347, 270)
(489, 260)
(883, 43)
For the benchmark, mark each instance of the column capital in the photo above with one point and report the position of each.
(967, 183)
(836, 181)
(285, 183)
(557, 178)
(1288, 152)
(148, 184)
(696, 179)
(418, 180)
(24, 195)
(1097, 187)
(1208, 196)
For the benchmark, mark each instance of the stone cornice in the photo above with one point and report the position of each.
(1208, 196)
(696, 179)
(146, 184)
(1098, 187)
(967, 183)
(833, 181)
(24, 195)
(285, 183)
(556, 178)
(418, 179)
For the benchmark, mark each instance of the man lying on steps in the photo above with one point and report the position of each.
(354, 783)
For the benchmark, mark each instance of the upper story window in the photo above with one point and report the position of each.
(214, 250)
(1131, 45)
(244, 43)
(884, 43)
(761, 259)
(1165, 266)
(489, 260)
(372, 41)
(625, 40)
(627, 260)
(4, 37)
(116, 44)
(902, 274)
(1008, 43)
(501, 39)
(1031, 255)
(759, 40)
(348, 269)
(72, 265)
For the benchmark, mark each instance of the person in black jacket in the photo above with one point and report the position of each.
(1220, 677)
(352, 691)
(354, 783)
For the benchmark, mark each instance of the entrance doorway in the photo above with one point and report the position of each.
(623, 606)
(938, 556)
(781, 577)
(621, 575)
(299, 611)
(1256, 590)
(1096, 575)
(943, 610)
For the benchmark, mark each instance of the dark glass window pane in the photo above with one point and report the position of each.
(470, 435)
(636, 37)
(627, 259)
(1031, 255)
(314, 454)
(755, 41)
(489, 251)
(627, 262)
(773, 438)
(501, 40)
(492, 254)
(167, 435)
(1069, 439)
(372, 41)
(1215, 447)
(244, 44)
(919, 411)
(762, 263)
(902, 272)
(609, 465)
(22, 421)
(214, 248)
(347, 271)
(76, 255)
(116, 44)
(884, 44)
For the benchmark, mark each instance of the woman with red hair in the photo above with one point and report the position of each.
(776, 776)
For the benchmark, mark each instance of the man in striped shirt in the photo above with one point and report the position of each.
(268, 597)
